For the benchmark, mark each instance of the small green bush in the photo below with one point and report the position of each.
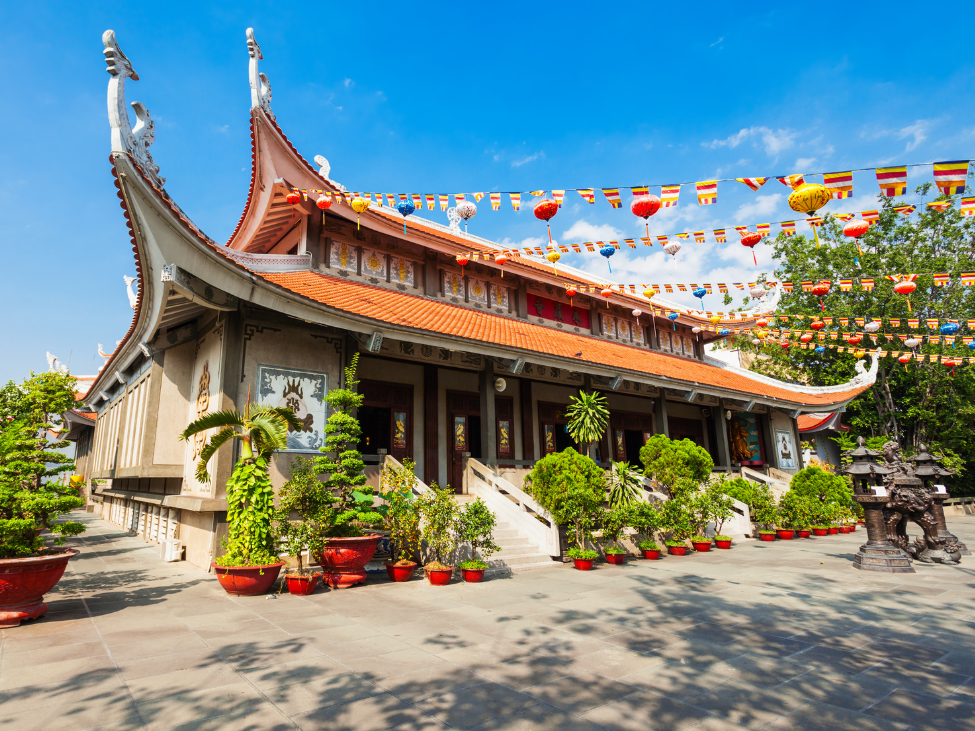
(669, 460)
(571, 487)
(816, 483)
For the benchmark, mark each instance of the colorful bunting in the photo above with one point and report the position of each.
(968, 206)
(588, 195)
(840, 184)
(669, 195)
(444, 201)
(515, 200)
(558, 195)
(707, 192)
(613, 196)
(753, 183)
(791, 181)
(719, 235)
(893, 181)
(950, 177)
(495, 201)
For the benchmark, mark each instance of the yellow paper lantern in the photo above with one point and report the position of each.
(553, 256)
(359, 205)
(715, 319)
(809, 198)
(649, 293)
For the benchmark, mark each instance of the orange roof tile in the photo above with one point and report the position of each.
(421, 313)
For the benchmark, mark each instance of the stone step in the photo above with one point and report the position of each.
(502, 535)
(518, 560)
(516, 541)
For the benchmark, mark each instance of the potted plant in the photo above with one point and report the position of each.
(402, 519)
(677, 515)
(349, 547)
(588, 418)
(582, 558)
(794, 514)
(646, 519)
(614, 522)
(475, 526)
(625, 484)
(710, 505)
(305, 495)
(438, 509)
(33, 495)
(764, 513)
(249, 564)
(676, 547)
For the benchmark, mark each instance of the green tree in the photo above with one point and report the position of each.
(305, 495)
(677, 513)
(818, 484)
(402, 518)
(763, 510)
(588, 418)
(261, 431)
(647, 519)
(438, 509)
(710, 505)
(475, 526)
(923, 403)
(795, 511)
(614, 522)
(668, 460)
(571, 487)
(624, 485)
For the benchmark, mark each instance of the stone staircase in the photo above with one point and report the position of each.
(517, 552)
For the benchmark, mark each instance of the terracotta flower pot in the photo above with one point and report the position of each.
(343, 560)
(677, 550)
(853, 526)
(440, 577)
(804, 533)
(701, 546)
(247, 580)
(400, 573)
(820, 531)
(583, 564)
(834, 530)
(24, 581)
(766, 536)
(651, 555)
(617, 559)
(786, 535)
(473, 576)
(722, 544)
(844, 529)
(302, 585)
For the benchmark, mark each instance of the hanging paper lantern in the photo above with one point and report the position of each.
(359, 205)
(912, 343)
(649, 293)
(545, 210)
(872, 326)
(949, 328)
(499, 259)
(715, 319)
(905, 288)
(756, 341)
(806, 337)
(859, 353)
(751, 239)
(608, 251)
(854, 339)
(971, 345)
(905, 359)
(553, 256)
(607, 292)
(855, 229)
(673, 318)
(405, 208)
(672, 248)
(817, 324)
(571, 292)
(324, 202)
(696, 329)
(757, 292)
(809, 198)
(637, 313)
(821, 290)
(761, 322)
(819, 350)
(699, 293)
(293, 197)
(644, 207)
(785, 344)
(761, 333)
(724, 331)
(466, 210)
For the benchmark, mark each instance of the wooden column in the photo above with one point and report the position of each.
(662, 426)
(489, 423)
(527, 422)
(431, 393)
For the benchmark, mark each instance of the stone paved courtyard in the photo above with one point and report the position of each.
(775, 636)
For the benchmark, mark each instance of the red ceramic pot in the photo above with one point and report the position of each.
(24, 581)
(844, 529)
(786, 535)
(861, 522)
(440, 577)
(400, 573)
(473, 576)
(677, 550)
(834, 530)
(302, 585)
(722, 544)
(766, 536)
(701, 546)
(247, 580)
(804, 534)
(617, 559)
(343, 560)
(651, 555)
(820, 531)
(583, 564)
(853, 527)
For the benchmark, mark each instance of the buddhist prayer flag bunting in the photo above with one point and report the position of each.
(391, 199)
(845, 217)
(907, 210)
(640, 190)
(939, 205)
(558, 195)
(840, 185)
(707, 192)
(764, 228)
(515, 200)
(662, 240)
(753, 183)
(699, 237)
(968, 206)
(477, 197)
(669, 195)
(789, 228)
(588, 195)
(613, 196)
(431, 201)
(742, 230)
(893, 181)
(941, 279)
(417, 201)
(495, 201)
(950, 177)
(870, 216)
(537, 193)
(458, 198)
(682, 236)
(792, 181)
(444, 200)
(719, 235)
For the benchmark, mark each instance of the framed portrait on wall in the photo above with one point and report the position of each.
(304, 393)
(785, 449)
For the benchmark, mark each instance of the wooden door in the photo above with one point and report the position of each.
(629, 432)
(390, 407)
(464, 433)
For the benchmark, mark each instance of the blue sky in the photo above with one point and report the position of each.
(455, 98)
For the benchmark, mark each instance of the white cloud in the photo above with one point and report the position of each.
(525, 160)
(585, 231)
(717, 42)
(774, 141)
(349, 83)
(805, 163)
(507, 243)
(919, 132)
(763, 205)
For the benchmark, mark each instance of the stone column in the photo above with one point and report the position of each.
(489, 424)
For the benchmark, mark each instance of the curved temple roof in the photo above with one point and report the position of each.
(162, 234)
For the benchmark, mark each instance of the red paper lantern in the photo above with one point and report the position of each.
(463, 260)
(905, 288)
(545, 210)
(644, 207)
(762, 322)
(817, 325)
(607, 292)
(820, 289)
(854, 339)
(571, 292)
(806, 337)
(324, 202)
(501, 260)
(293, 197)
(785, 344)
(906, 358)
(751, 240)
(855, 229)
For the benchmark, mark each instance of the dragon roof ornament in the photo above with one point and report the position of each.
(260, 86)
(134, 141)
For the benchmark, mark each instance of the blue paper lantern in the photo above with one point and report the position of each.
(700, 292)
(405, 208)
(949, 328)
(608, 251)
(971, 345)
(724, 331)
(819, 350)
(673, 318)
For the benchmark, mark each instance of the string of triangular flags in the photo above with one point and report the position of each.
(949, 176)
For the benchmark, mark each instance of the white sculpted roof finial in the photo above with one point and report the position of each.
(260, 86)
(134, 141)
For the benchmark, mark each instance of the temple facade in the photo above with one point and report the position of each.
(455, 362)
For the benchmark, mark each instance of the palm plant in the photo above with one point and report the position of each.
(588, 418)
(261, 431)
(624, 485)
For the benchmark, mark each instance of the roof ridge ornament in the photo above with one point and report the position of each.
(260, 86)
(134, 141)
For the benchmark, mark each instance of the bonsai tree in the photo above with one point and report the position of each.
(816, 483)
(402, 518)
(647, 519)
(261, 431)
(677, 515)
(475, 526)
(614, 522)
(764, 511)
(710, 505)
(588, 418)
(571, 487)
(739, 488)
(795, 511)
(33, 491)
(624, 485)
(305, 495)
(667, 461)
(343, 463)
(438, 509)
